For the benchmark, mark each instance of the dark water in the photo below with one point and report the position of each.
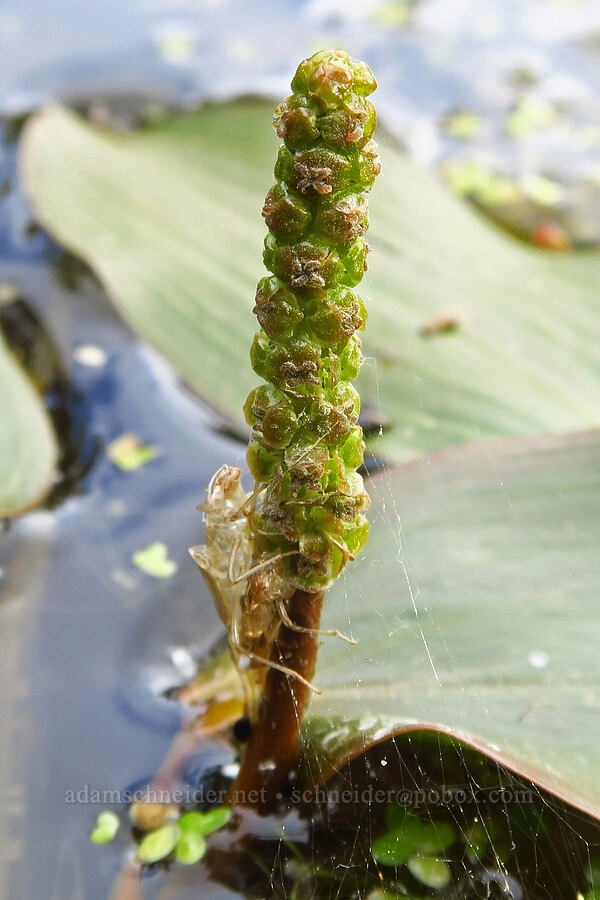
(89, 642)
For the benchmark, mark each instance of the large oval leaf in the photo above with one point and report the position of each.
(476, 607)
(28, 450)
(169, 219)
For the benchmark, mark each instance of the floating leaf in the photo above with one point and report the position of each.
(107, 825)
(28, 449)
(544, 191)
(204, 823)
(392, 848)
(394, 13)
(407, 834)
(530, 115)
(433, 873)
(128, 453)
(435, 837)
(130, 205)
(190, 848)
(484, 623)
(154, 560)
(176, 43)
(157, 844)
(473, 179)
(380, 894)
(463, 125)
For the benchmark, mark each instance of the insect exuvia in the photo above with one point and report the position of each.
(252, 616)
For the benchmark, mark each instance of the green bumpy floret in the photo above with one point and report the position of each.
(306, 443)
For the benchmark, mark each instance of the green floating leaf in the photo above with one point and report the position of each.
(433, 873)
(380, 894)
(407, 834)
(463, 125)
(157, 844)
(28, 448)
(544, 191)
(176, 43)
(107, 825)
(394, 14)
(473, 179)
(435, 837)
(530, 115)
(190, 848)
(128, 453)
(154, 560)
(523, 361)
(484, 623)
(392, 849)
(204, 823)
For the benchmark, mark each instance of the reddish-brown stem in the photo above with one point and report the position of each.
(272, 750)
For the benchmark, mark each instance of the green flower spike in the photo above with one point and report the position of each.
(306, 443)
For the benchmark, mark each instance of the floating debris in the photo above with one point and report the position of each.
(441, 325)
(154, 560)
(550, 236)
(127, 452)
(148, 816)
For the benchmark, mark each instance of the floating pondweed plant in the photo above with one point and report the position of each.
(271, 553)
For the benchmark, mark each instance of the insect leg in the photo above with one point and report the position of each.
(261, 565)
(273, 665)
(285, 618)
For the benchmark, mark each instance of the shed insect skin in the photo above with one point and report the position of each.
(250, 598)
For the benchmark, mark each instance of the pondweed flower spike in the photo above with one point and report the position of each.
(272, 553)
(308, 517)
(306, 442)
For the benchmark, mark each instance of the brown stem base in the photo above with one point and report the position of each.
(272, 750)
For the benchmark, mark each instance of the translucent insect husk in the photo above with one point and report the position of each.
(247, 601)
